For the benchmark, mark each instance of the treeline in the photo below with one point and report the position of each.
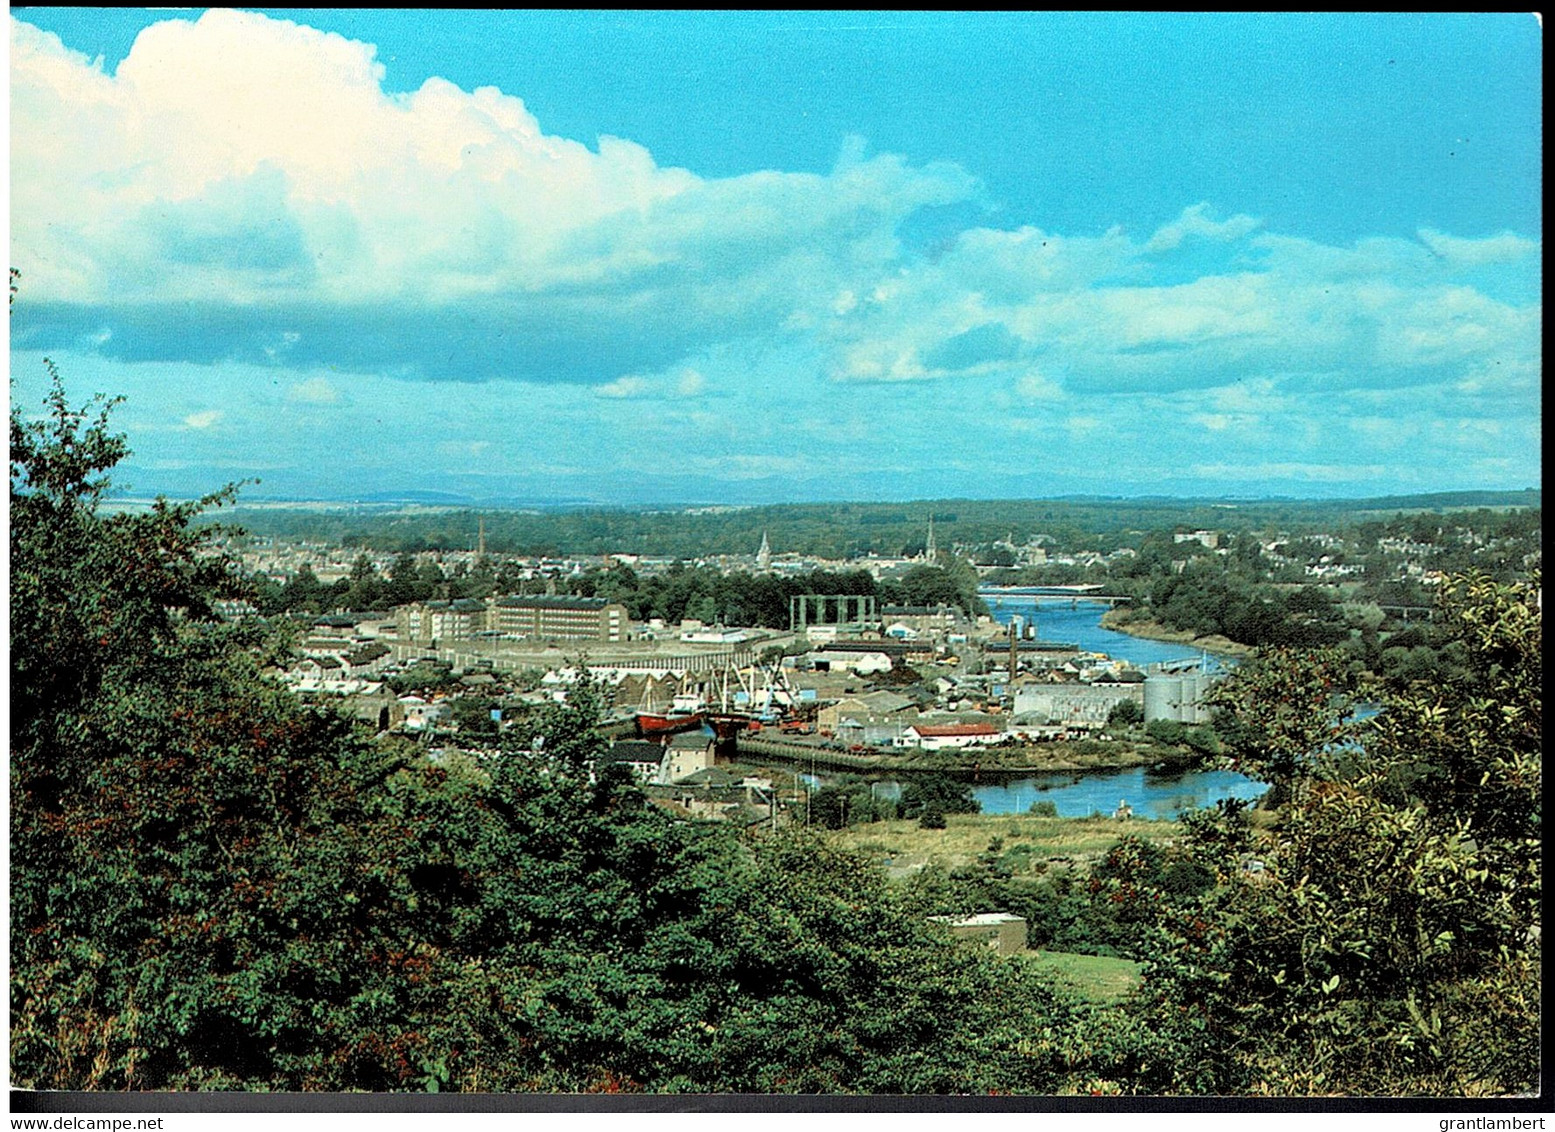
(702, 593)
(827, 530)
(738, 598)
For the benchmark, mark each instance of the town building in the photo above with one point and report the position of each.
(559, 618)
(938, 737)
(1176, 692)
(536, 617)
(1073, 704)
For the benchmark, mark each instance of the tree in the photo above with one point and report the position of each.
(472, 714)
(1283, 712)
(1387, 942)
(1125, 713)
(217, 887)
(939, 794)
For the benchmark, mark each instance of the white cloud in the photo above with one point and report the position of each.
(243, 189)
(314, 391)
(1382, 313)
(1034, 386)
(623, 388)
(1195, 221)
(259, 165)
(1505, 248)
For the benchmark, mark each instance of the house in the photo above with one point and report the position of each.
(715, 793)
(419, 715)
(381, 712)
(933, 737)
(687, 754)
(643, 758)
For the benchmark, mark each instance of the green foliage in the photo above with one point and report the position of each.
(837, 530)
(424, 676)
(939, 793)
(1126, 713)
(1281, 714)
(214, 887)
(848, 803)
(1387, 940)
(472, 714)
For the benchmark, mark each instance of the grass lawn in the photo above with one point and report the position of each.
(1096, 978)
(904, 847)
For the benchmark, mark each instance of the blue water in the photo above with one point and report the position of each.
(1153, 795)
(1150, 795)
(1082, 626)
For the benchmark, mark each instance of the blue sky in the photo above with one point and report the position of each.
(750, 257)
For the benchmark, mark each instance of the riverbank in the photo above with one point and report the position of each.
(1126, 621)
(972, 762)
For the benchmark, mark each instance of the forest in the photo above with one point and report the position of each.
(215, 886)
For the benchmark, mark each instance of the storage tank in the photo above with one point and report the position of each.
(1194, 686)
(1163, 697)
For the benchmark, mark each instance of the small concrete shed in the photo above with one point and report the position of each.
(1001, 932)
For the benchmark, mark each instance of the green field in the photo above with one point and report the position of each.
(903, 847)
(1092, 976)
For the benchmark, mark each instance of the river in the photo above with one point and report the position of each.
(1056, 621)
(1149, 794)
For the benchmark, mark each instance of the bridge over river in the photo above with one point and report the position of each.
(1073, 595)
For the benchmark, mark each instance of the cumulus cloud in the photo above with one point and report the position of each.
(1505, 248)
(254, 174)
(1196, 221)
(690, 383)
(1387, 314)
(243, 190)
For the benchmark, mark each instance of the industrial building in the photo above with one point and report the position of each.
(1073, 704)
(534, 618)
(1176, 692)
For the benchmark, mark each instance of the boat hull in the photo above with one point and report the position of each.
(652, 723)
(726, 725)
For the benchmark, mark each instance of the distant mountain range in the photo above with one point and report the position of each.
(440, 500)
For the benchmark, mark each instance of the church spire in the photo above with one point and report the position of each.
(764, 555)
(930, 554)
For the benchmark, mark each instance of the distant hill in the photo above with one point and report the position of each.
(831, 530)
